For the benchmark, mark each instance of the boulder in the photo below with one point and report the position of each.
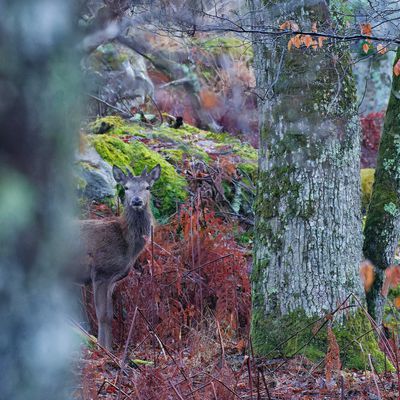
(95, 180)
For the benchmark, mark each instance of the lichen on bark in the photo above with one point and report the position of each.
(382, 227)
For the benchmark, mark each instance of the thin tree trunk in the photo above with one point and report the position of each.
(308, 227)
(38, 115)
(382, 227)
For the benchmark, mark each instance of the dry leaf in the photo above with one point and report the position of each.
(366, 29)
(314, 27)
(396, 302)
(365, 48)
(392, 279)
(381, 49)
(321, 40)
(307, 40)
(297, 41)
(285, 26)
(294, 26)
(396, 68)
(367, 274)
(332, 358)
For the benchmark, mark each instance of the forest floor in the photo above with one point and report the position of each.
(181, 330)
(227, 374)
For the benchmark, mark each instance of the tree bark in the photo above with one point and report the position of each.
(308, 237)
(39, 82)
(382, 227)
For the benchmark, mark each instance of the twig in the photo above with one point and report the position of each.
(265, 382)
(119, 389)
(176, 391)
(123, 358)
(162, 344)
(107, 104)
(374, 377)
(223, 384)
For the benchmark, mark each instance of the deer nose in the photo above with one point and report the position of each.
(137, 201)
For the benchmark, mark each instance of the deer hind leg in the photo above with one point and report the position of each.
(104, 311)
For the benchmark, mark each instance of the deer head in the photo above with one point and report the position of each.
(137, 188)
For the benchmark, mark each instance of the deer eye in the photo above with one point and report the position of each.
(126, 187)
(147, 187)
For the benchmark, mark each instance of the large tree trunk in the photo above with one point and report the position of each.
(38, 115)
(382, 227)
(308, 227)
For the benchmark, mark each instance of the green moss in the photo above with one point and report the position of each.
(293, 334)
(228, 45)
(367, 181)
(116, 126)
(244, 150)
(170, 188)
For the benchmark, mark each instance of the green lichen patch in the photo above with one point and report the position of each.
(367, 181)
(297, 333)
(170, 188)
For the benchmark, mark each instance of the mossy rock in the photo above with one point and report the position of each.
(135, 156)
(367, 181)
(171, 148)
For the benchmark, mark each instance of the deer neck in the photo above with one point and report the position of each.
(137, 228)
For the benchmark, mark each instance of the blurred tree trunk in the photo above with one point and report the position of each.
(308, 239)
(382, 227)
(38, 114)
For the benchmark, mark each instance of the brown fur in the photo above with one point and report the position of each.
(112, 246)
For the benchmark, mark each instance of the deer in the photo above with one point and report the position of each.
(112, 246)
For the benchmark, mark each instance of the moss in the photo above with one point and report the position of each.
(228, 45)
(116, 126)
(367, 181)
(135, 156)
(293, 334)
(244, 150)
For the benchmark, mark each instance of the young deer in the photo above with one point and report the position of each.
(112, 246)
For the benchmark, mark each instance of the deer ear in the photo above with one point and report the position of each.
(144, 172)
(119, 176)
(154, 174)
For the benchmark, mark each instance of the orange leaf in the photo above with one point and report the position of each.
(297, 41)
(294, 26)
(392, 279)
(367, 274)
(381, 49)
(321, 40)
(290, 44)
(285, 26)
(307, 40)
(366, 29)
(314, 27)
(396, 302)
(289, 25)
(396, 68)
(365, 48)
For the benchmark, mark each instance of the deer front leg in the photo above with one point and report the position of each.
(104, 311)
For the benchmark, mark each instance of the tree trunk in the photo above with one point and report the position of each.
(308, 221)
(382, 227)
(38, 115)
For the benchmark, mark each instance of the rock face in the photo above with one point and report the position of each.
(119, 76)
(95, 179)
